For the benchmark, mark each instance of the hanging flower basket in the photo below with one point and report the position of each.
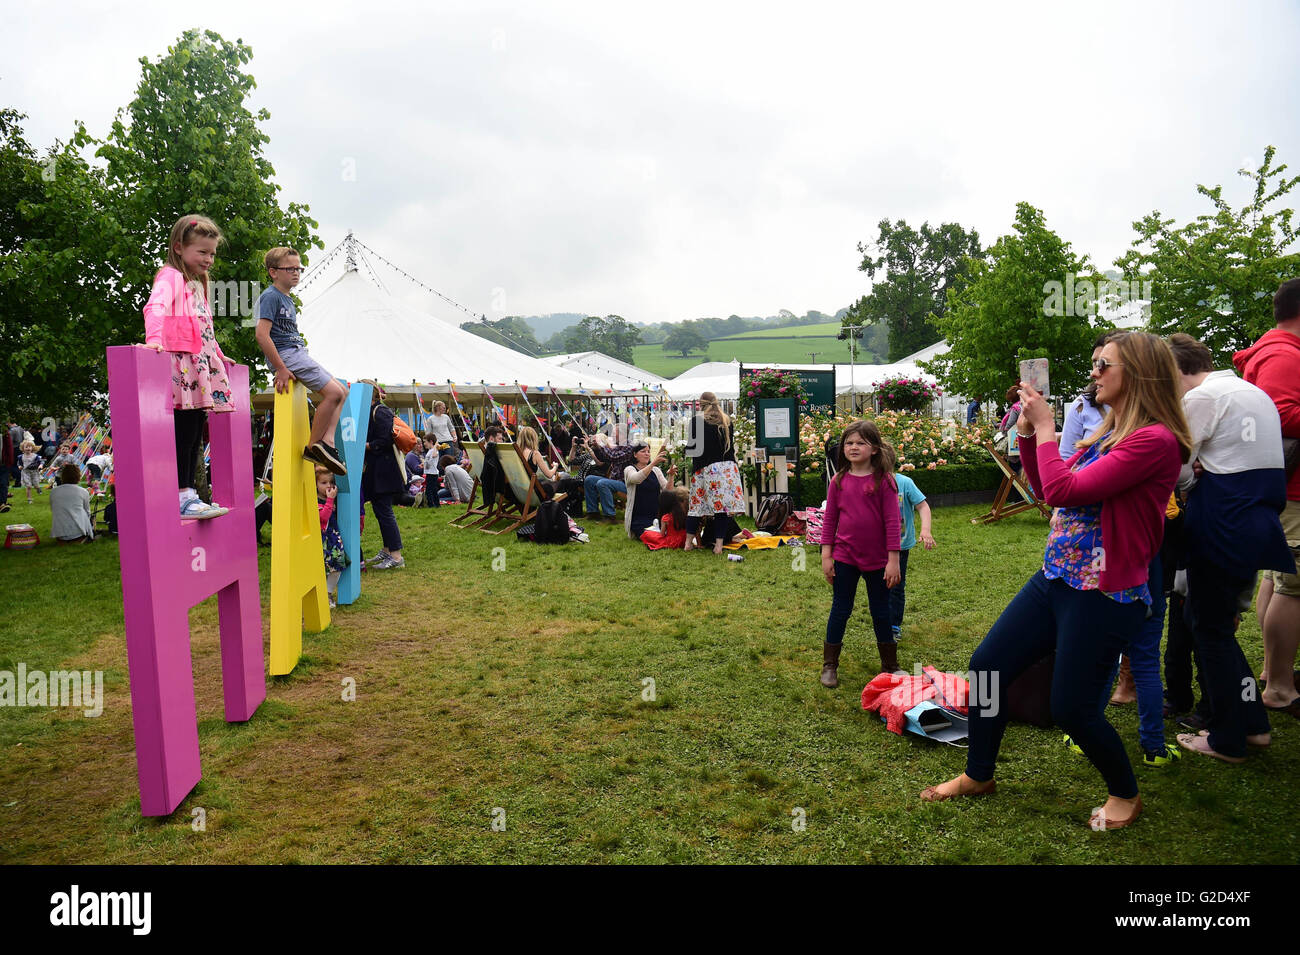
(906, 394)
(770, 383)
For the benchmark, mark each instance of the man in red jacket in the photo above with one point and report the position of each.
(1273, 364)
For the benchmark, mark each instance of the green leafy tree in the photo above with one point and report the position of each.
(611, 335)
(685, 340)
(188, 143)
(1001, 315)
(57, 282)
(511, 331)
(1214, 277)
(920, 268)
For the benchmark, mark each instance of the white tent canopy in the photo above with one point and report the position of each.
(356, 330)
(597, 368)
(720, 377)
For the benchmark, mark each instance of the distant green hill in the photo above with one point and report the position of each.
(788, 346)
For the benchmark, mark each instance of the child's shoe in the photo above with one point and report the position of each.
(195, 510)
(1071, 745)
(1154, 757)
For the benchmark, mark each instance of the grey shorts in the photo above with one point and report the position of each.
(305, 368)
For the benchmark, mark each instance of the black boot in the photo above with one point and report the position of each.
(830, 664)
(888, 657)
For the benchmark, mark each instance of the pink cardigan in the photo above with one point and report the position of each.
(170, 316)
(1132, 482)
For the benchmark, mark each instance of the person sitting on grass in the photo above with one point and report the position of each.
(457, 485)
(644, 482)
(672, 521)
(70, 508)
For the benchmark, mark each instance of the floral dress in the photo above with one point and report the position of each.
(199, 381)
(1074, 546)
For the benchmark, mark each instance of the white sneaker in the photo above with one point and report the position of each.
(195, 510)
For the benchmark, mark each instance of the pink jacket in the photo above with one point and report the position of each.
(170, 316)
(1132, 483)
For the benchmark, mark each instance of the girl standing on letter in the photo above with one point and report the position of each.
(178, 319)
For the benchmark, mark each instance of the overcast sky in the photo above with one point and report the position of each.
(667, 161)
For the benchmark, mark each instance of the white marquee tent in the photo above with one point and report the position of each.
(597, 368)
(356, 330)
(720, 377)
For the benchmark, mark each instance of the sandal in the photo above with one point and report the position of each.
(1105, 822)
(932, 794)
(1201, 744)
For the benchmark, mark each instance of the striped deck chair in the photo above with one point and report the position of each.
(474, 516)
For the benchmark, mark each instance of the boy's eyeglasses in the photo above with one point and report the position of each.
(1101, 364)
(295, 269)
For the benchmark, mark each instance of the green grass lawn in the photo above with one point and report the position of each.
(522, 690)
(789, 346)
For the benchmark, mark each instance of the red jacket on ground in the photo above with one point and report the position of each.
(893, 694)
(1272, 364)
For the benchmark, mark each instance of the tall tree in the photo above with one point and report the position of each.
(1003, 314)
(1214, 277)
(920, 267)
(188, 143)
(57, 281)
(685, 340)
(611, 335)
(511, 331)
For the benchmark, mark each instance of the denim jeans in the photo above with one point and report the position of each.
(1088, 630)
(596, 487)
(898, 597)
(1236, 710)
(1144, 660)
(844, 591)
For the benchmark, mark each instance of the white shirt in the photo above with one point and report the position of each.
(1234, 426)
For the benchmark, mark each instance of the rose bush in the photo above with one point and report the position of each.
(907, 394)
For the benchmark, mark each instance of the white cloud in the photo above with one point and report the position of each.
(683, 160)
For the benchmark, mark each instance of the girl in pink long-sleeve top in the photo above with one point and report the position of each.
(178, 319)
(860, 539)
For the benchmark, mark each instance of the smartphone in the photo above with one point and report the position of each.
(1033, 372)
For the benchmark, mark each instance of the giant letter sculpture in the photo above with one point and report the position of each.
(350, 439)
(169, 565)
(298, 591)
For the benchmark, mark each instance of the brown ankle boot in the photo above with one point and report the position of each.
(1125, 689)
(888, 657)
(830, 664)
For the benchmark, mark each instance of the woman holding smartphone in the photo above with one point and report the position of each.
(1090, 597)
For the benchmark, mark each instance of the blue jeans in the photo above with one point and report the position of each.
(898, 598)
(1236, 710)
(1088, 630)
(1144, 661)
(596, 487)
(844, 591)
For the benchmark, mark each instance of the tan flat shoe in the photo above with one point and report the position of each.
(932, 794)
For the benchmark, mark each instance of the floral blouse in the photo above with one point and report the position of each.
(1075, 551)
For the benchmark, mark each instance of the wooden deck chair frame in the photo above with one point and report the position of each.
(474, 450)
(522, 494)
(1010, 480)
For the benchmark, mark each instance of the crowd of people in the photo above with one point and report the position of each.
(1186, 489)
(1172, 484)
